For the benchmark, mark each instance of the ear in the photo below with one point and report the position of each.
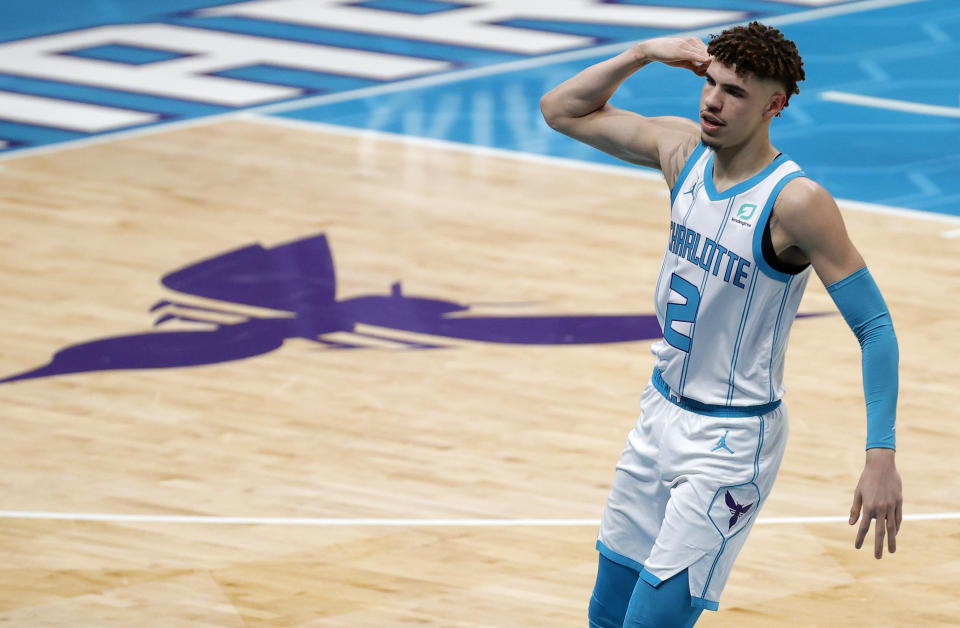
(777, 102)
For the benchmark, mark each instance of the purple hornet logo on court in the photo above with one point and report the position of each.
(298, 280)
(736, 510)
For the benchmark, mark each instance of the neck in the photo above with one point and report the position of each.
(733, 164)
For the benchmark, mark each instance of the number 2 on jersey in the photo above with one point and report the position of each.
(681, 312)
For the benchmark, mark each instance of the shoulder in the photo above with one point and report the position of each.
(803, 201)
(803, 189)
(806, 213)
(808, 218)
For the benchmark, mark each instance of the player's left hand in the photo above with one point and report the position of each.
(879, 495)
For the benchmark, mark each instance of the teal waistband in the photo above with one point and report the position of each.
(708, 408)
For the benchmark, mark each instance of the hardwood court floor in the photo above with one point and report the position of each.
(474, 430)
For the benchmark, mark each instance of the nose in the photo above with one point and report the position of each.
(713, 97)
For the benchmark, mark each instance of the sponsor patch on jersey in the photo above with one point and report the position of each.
(745, 215)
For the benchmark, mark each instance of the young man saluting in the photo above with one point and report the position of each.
(746, 227)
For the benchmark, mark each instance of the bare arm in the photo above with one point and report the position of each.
(808, 219)
(579, 108)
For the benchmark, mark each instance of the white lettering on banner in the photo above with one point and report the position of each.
(475, 23)
(211, 51)
(64, 114)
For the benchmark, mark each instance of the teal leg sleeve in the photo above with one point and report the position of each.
(666, 606)
(611, 594)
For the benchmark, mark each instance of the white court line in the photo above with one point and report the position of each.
(951, 234)
(626, 170)
(890, 104)
(472, 149)
(412, 84)
(916, 214)
(370, 522)
(441, 79)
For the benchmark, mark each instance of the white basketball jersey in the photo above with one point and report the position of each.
(724, 310)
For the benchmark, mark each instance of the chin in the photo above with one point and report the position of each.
(709, 142)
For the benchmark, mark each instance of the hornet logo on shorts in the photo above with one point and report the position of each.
(298, 280)
(736, 510)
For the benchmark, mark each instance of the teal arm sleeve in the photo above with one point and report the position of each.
(859, 301)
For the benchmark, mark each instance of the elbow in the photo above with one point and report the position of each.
(550, 110)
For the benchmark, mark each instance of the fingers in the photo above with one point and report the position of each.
(855, 509)
(698, 51)
(888, 524)
(892, 526)
(862, 532)
(697, 68)
(878, 539)
(878, 496)
(687, 52)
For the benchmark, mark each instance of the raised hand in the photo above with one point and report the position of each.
(680, 52)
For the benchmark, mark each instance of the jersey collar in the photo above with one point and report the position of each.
(741, 187)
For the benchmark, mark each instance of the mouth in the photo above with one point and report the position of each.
(710, 122)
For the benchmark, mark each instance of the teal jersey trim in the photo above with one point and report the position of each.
(699, 602)
(758, 257)
(709, 409)
(650, 579)
(618, 558)
(741, 187)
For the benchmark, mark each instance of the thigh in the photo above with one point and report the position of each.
(638, 497)
(716, 495)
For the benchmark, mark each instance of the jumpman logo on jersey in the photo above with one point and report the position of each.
(693, 189)
(722, 443)
(736, 510)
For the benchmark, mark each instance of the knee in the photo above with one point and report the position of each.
(665, 606)
(611, 594)
(602, 616)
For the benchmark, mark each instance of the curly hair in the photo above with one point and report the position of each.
(762, 51)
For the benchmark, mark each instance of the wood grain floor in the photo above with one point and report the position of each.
(471, 431)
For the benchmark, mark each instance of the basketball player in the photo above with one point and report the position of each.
(746, 228)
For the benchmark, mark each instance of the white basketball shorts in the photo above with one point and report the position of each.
(687, 490)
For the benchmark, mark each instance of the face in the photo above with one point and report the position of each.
(733, 109)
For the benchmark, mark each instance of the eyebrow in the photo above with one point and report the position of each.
(733, 87)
